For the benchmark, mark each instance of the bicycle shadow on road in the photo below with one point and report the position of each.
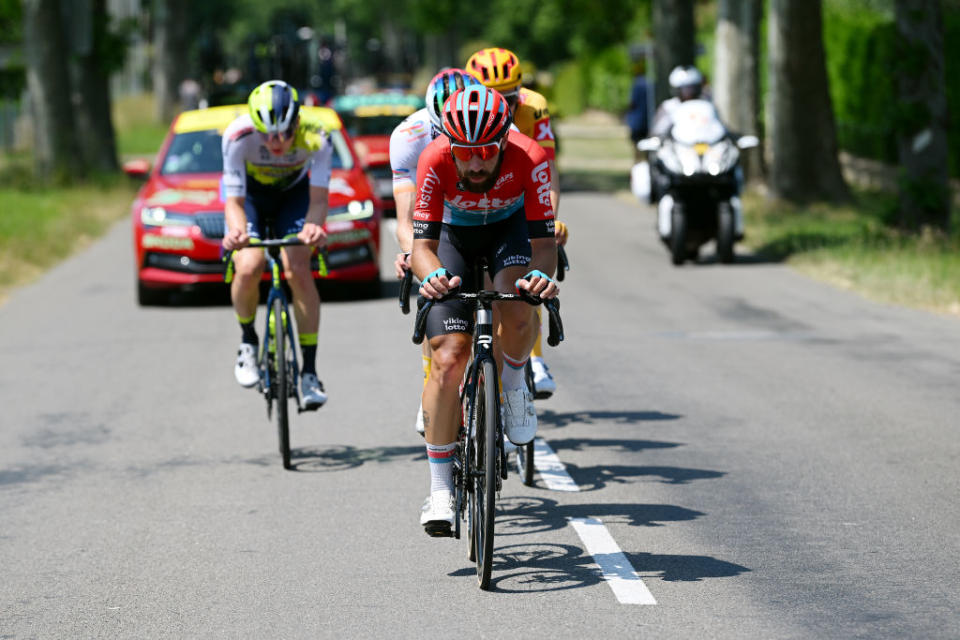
(598, 477)
(560, 420)
(343, 457)
(543, 567)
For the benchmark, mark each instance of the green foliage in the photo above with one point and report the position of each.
(11, 21)
(863, 56)
(854, 246)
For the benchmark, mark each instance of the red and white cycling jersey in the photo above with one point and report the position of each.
(524, 182)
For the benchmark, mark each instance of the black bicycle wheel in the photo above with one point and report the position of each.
(281, 381)
(485, 485)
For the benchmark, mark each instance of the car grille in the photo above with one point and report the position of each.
(211, 224)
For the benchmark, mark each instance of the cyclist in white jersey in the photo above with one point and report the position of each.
(276, 166)
(407, 142)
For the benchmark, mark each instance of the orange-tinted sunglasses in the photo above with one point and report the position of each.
(484, 151)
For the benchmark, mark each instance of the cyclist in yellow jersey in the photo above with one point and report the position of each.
(499, 69)
(276, 166)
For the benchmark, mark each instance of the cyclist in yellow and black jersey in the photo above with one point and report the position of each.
(499, 69)
(276, 166)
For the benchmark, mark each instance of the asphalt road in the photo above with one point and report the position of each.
(769, 458)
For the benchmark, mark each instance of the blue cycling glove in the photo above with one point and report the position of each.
(533, 274)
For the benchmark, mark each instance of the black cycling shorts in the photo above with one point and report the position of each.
(285, 209)
(503, 244)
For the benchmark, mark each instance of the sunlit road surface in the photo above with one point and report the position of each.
(733, 451)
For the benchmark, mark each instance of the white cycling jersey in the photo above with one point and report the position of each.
(245, 156)
(407, 142)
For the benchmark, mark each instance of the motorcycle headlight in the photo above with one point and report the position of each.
(353, 210)
(689, 160)
(160, 217)
(721, 157)
(668, 156)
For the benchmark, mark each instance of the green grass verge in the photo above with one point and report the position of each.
(853, 247)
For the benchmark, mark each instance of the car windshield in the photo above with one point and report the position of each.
(370, 125)
(200, 152)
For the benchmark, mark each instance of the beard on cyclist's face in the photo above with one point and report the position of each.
(477, 175)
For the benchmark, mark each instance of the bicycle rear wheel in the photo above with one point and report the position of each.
(483, 499)
(282, 381)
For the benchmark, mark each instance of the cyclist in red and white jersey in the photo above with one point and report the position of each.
(482, 190)
(407, 142)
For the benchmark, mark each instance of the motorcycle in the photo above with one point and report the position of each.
(696, 180)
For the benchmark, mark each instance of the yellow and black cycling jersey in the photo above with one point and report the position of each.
(532, 118)
(245, 156)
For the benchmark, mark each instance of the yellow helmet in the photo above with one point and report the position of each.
(496, 68)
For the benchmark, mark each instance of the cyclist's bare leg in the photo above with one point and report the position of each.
(441, 393)
(306, 300)
(516, 326)
(244, 290)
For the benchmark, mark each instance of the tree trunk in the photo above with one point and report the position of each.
(735, 72)
(801, 131)
(56, 148)
(922, 116)
(88, 22)
(169, 56)
(675, 44)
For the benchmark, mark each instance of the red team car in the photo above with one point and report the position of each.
(178, 214)
(370, 119)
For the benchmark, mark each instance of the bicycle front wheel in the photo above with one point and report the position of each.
(485, 472)
(281, 381)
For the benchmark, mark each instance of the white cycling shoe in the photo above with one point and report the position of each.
(312, 394)
(519, 416)
(245, 370)
(436, 514)
(543, 383)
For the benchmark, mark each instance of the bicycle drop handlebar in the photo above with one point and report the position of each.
(552, 305)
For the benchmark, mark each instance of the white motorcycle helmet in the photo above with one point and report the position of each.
(686, 82)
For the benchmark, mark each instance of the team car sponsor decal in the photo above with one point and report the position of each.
(176, 196)
(541, 174)
(341, 186)
(348, 237)
(151, 241)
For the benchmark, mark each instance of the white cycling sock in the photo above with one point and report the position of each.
(441, 466)
(512, 376)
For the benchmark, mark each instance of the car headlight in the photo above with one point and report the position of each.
(160, 217)
(721, 157)
(353, 210)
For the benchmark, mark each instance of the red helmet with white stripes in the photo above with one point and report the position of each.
(476, 115)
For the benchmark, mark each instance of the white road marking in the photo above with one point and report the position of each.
(617, 571)
(552, 471)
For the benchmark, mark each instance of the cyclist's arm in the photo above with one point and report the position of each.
(236, 219)
(424, 262)
(319, 205)
(404, 200)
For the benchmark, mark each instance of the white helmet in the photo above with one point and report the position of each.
(686, 82)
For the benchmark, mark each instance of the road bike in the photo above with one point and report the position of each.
(525, 452)
(277, 358)
(480, 464)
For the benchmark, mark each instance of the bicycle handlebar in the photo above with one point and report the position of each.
(552, 305)
(563, 264)
(406, 283)
(269, 244)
